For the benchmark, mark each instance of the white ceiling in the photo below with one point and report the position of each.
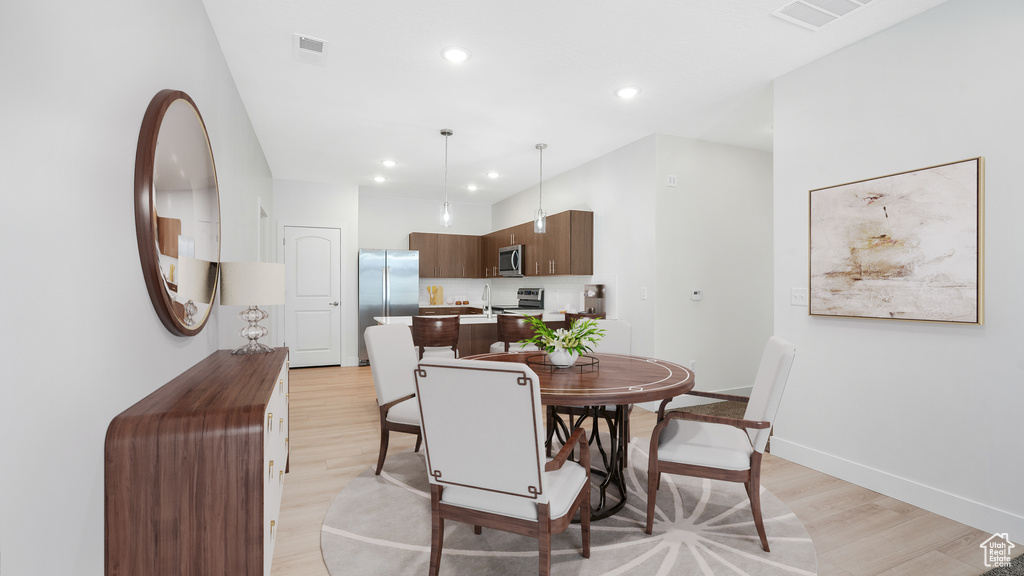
(539, 71)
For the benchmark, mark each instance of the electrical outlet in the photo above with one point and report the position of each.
(670, 181)
(798, 296)
(697, 295)
(643, 293)
(693, 365)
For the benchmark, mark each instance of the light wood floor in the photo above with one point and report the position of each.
(857, 532)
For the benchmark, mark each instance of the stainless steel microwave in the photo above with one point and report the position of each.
(510, 261)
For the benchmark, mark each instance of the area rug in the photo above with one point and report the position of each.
(381, 525)
(1015, 568)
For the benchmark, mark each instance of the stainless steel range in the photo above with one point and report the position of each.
(530, 300)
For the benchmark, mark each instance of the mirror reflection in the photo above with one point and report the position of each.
(177, 212)
(187, 213)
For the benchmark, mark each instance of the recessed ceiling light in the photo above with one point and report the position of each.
(379, 179)
(628, 92)
(388, 163)
(455, 55)
(493, 174)
(471, 187)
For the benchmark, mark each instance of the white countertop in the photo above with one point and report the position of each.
(465, 319)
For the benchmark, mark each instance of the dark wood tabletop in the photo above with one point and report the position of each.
(618, 379)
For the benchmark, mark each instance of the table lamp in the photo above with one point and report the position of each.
(197, 283)
(252, 284)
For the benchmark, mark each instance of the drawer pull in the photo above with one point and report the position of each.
(271, 468)
(273, 528)
(270, 421)
(280, 477)
(281, 427)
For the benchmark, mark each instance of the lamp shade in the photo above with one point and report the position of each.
(197, 280)
(251, 283)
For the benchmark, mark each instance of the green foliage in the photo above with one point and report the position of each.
(579, 338)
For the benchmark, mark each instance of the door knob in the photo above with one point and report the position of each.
(333, 304)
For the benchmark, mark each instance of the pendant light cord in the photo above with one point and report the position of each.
(540, 197)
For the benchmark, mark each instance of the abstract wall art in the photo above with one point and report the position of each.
(908, 246)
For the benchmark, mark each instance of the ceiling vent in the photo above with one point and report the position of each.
(309, 49)
(814, 14)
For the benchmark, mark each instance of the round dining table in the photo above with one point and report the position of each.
(596, 383)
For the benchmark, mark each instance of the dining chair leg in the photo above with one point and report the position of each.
(653, 483)
(419, 440)
(384, 434)
(544, 539)
(585, 522)
(754, 493)
(652, 498)
(436, 530)
(551, 430)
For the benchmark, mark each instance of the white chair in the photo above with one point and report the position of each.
(723, 448)
(482, 431)
(511, 329)
(617, 337)
(392, 362)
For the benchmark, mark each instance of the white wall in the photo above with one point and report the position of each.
(711, 232)
(928, 413)
(325, 206)
(81, 341)
(385, 222)
(714, 232)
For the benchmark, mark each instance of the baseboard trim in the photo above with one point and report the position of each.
(964, 510)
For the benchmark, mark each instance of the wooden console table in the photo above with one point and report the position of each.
(194, 471)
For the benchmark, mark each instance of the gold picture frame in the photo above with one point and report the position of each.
(907, 246)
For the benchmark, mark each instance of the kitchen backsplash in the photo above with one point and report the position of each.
(559, 293)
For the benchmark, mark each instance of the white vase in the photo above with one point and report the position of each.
(562, 358)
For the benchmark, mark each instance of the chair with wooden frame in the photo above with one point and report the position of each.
(436, 336)
(572, 317)
(723, 448)
(496, 476)
(511, 329)
(392, 362)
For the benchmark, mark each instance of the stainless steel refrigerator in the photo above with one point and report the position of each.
(389, 285)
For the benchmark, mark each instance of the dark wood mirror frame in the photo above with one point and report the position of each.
(171, 313)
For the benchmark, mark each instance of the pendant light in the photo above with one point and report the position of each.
(540, 220)
(446, 208)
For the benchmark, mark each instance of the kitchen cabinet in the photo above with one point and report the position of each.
(449, 311)
(426, 244)
(489, 246)
(447, 255)
(567, 248)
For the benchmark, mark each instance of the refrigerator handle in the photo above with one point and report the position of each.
(387, 291)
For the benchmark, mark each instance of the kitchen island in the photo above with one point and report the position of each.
(476, 331)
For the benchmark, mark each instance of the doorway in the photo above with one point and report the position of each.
(312, 258)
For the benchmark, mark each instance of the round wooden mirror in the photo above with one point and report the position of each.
(177, 212)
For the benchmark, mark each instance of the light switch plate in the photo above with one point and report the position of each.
(798, 296)
(697, 295)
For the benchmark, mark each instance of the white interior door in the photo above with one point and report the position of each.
(313, 295)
